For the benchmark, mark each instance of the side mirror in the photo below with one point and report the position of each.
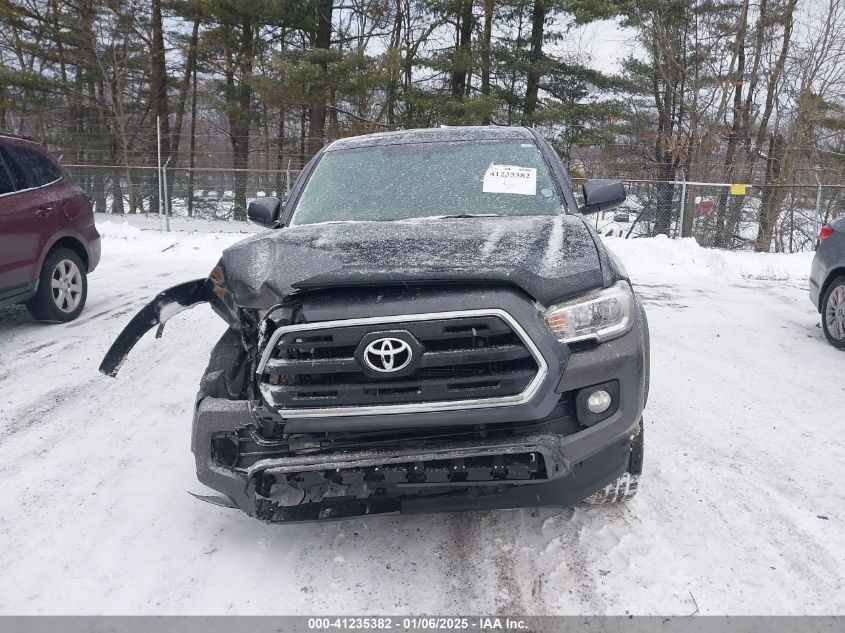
(602, 194)
(264, 211)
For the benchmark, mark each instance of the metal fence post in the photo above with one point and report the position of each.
(158, 151)
(166, 195)
(683, 206)
(818, 219)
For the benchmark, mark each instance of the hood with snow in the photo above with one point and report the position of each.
(548, 257)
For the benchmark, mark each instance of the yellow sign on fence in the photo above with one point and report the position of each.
(738, 189)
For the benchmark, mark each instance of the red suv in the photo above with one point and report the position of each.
(48, 241)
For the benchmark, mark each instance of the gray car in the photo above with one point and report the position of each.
(827, 281)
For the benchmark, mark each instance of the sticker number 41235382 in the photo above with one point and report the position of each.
(510, 179)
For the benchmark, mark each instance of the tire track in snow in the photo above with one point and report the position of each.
(563, 561)
(460, 553)
(505, 565)
(42, 411)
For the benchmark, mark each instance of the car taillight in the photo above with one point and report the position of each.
(825, 233)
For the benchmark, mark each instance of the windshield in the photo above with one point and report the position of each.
(403, 182)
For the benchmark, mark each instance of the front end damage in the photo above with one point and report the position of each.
(169, 303)
(289, 427)
(328, 476)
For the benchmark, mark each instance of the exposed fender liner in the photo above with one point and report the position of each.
(166, 304)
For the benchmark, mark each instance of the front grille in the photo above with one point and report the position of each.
(476, 356)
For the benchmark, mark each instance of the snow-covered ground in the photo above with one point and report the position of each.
(179, 223)
(741, 509)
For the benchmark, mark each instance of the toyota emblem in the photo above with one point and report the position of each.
(387, 355)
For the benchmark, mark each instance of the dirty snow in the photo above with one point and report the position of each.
(741, 508)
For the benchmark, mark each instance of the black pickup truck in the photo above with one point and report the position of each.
(429, 324)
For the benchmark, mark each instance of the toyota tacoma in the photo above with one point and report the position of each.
(428, 324)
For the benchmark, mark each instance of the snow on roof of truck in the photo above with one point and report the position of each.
(434, 135)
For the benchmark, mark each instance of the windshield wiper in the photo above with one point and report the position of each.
(469, 215)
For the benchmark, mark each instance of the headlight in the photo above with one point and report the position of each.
(600, 315)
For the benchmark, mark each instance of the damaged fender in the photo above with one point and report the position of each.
(167, 303)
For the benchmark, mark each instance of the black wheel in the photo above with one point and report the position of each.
(625, 486)
(62, 288)
(833, 312)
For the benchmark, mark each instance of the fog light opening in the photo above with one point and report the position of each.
(225, 449)
(599, 401)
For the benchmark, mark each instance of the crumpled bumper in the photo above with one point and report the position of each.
(519, 471)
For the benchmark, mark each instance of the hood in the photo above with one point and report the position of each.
(548, 257)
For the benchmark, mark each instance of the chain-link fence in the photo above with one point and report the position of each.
(721, 215)
(734, 216)
(181, 199)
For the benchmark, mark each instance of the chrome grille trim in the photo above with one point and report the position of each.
(451, 405)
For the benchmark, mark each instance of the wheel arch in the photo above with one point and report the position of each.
(71, 243)
(833, 274)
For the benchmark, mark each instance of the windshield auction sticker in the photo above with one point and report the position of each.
(510, 179)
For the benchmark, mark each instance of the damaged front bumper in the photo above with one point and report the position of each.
(263, 479)
(155, 314)
(167, 304)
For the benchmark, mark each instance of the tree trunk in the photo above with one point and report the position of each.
(281, 182)
(663, 155)
(774, 77)
(158, 92)
(319, 94)
(190, 63)
(158, 80)
(772, 197)
(393, 61)
(463, 40)
(193, 143)
(239, 107)
(116, 193)
(664, 198)
(742, 132)
(485, 56)
(719, 234)
(770, 205)
(538, 22)
(303, 138)
(99, 196)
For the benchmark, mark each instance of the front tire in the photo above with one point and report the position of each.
(62, 288)
(625, 486)
(833, 313)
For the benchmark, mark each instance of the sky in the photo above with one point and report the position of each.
(607, 43)
(604, 41)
